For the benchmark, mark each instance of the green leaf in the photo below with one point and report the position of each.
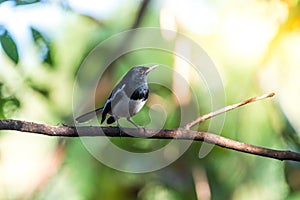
(1, 1)
(25, 2)
(43, 45)
(9, 46)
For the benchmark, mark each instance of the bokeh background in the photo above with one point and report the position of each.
(255, 45)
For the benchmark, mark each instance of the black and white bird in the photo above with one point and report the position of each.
(126, 99)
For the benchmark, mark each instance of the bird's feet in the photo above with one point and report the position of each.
(142, 130)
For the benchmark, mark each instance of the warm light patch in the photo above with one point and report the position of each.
(168, 22)
(181, 76)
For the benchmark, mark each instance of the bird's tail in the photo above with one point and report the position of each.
(88, 116)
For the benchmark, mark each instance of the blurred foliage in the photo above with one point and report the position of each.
(37, 82)
(8, 103)
(25, 2)
(21, 2)
(43, 45)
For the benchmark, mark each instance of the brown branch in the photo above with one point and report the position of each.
(140, 14)
(179, 134)
(226, 109)
(136, 24)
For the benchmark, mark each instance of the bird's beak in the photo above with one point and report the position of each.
(151, 68)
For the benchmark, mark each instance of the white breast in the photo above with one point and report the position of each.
(125, 107)
(136, 106)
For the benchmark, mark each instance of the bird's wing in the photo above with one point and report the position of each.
(140, 95)
(107, 109)
(115, 96)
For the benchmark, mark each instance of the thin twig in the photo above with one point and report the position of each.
(226, 109)
(179, 134)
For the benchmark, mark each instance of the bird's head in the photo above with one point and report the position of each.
(142, 70)
(139, 73)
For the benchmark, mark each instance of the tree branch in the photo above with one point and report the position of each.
(226, 109)
(140, 14)
(180, 134)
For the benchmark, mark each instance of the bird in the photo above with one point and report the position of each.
(126, 99)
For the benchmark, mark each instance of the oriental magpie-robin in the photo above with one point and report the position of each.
(126, 99)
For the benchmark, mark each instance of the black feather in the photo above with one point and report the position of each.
(110, 120)
(140, 93)
(88, 116)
